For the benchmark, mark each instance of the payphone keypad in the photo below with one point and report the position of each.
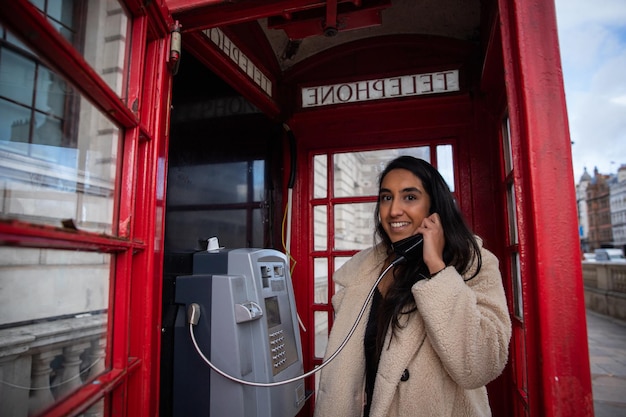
(277, 346)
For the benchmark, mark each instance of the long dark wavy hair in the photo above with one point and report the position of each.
(460, 250)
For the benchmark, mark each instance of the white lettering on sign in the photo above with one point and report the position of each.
(381, 88)
(223, 42)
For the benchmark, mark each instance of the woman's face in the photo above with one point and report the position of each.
(403, 204)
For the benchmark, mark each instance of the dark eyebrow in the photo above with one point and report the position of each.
(404, 190)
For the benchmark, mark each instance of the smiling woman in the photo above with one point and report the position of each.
(442, 315)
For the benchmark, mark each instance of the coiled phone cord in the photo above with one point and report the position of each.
(195, 314)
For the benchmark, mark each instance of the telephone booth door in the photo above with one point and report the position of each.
(343, 147)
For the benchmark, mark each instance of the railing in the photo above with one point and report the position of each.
(605, 288)
(43, 362)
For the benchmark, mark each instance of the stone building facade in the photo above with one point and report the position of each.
(601, 201)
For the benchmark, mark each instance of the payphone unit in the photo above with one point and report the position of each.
(248, 326)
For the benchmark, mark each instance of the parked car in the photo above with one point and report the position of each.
(609, 255)
(587, 256)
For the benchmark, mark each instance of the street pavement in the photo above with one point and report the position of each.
(607, 357)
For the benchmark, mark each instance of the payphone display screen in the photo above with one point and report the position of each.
(273, 312)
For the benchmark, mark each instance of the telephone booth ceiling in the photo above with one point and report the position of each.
(298, 29)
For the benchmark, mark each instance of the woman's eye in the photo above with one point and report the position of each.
(384, 198)
(410, 197)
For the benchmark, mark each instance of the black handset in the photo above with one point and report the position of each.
(408, 249)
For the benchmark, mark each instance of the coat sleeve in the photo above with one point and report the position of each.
(467, 322)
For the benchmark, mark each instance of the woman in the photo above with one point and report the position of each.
(438, 327)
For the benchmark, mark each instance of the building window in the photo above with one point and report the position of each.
(99, 30)
(58, 152)
(216, 199)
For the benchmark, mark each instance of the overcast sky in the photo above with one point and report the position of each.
(592, 36)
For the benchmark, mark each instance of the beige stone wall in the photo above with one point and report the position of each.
(605, 288)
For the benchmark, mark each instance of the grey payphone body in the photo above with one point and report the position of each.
(248, 328)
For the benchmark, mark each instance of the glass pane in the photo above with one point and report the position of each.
(321, 332)
(258, 180)
(356, 173)
(320, 228)
(15, 41)
(354, 226)
(320, 176)
(516, 274)
(56, 176)
(60, 332)
(17, 77)
(224, 183)
(48, 131)
(61, 11)
(105, 44)
(40, 4)
(258, 226)
(506, 143)
(187, 229)
(512, 212)
(445, 164)
(59, 153)
(52, 93)
(14, 123)
(320, 266)
(207, 199)
(340, 260)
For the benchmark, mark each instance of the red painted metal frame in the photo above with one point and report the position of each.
(558, 367)
(203, 14)
(17, 233)
(89, 394)
(156, 12)
(145, 309)
(334, 17)
(144, 179)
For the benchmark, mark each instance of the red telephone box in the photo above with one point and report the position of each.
(289, 95)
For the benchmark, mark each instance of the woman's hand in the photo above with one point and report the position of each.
(434, 242)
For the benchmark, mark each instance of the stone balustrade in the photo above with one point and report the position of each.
(43, 362)
(605, 288)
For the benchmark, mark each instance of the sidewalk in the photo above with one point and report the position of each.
(607, 356)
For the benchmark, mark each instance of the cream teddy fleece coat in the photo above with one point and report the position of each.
(439, 362)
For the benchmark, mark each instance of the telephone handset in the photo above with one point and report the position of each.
(408, 249)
